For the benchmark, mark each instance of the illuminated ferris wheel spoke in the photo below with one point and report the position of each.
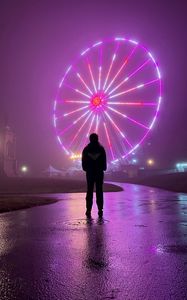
(76, 90)
(120, 132)
(134, 88)
(129, 118)
(110, 68)
(121, 68)
(85, 139)
(80, 92)
(74, 111)
(91, 74)
(75, 122)
(99, 82)
(97, 124)
(100, 69)
(108, 139)
(86, 86)
(75, 136)
(76, 101)
(111, 64)
(132, 103)
(90, 126)
(128, 77)
(116, 133)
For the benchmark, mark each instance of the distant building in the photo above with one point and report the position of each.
(8, 162)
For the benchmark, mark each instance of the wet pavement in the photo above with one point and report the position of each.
(138, 250)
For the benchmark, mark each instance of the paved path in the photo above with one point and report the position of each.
(138, 251)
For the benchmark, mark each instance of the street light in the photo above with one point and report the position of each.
(150, 162)
(24, 169)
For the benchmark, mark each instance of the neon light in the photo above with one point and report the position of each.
(133, 42)
(133, 103)
(76, 101)
(109, 142)
(74, 111)
(151, 126)
(125, 116)
(97, 124)
(58, 138)
(86, 95)
(98, 86)
(54, 107)
(90, 126)
(80, 129)
(134, 88)
(85, 51)
(119, 39)
(68, 69)
(119, 71)
(97, 44)
(93, 81)
(54, 120)
(110, 68)
(75, 122)
(159, 76)
(121, 133)
(82, 80)
(127, 78)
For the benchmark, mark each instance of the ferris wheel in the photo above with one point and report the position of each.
(113, 89)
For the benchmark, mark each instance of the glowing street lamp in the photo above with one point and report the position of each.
(150, 162)
(24, 169)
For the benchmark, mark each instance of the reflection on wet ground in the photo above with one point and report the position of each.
(137, 251)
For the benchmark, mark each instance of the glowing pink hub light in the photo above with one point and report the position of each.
(100, 94)
(98, 100)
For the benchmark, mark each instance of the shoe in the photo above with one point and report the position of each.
(88, 213)
(100, 213)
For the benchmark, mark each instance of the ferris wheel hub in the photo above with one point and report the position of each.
(98, 100)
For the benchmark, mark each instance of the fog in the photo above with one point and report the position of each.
(39, 39)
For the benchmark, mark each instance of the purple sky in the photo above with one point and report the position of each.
(39, 39)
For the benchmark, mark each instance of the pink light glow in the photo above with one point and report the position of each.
(91, 74)
(74, 111)
(115, 125)
(134, 88)
(82, 80)
(121, 68)
(127, 78)
(133, 103)
(75, 136)
(110, 68)
(95, 89)
(125, 116)
(109, 142)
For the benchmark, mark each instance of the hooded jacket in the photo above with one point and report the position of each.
(94, 158)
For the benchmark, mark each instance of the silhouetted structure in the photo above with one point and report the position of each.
(8, 163)
(94, 164)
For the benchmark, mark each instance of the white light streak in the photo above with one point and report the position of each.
(91, 74)
(82, 80)
(99, 83)
(119, 39)
(86, 95)
(97, 44)
(74, 111)
(85, 51)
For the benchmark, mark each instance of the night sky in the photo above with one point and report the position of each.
(39, 39)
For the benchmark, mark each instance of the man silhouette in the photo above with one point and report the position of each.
(94, 164)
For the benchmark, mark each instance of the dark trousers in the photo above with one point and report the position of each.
(97, 179)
